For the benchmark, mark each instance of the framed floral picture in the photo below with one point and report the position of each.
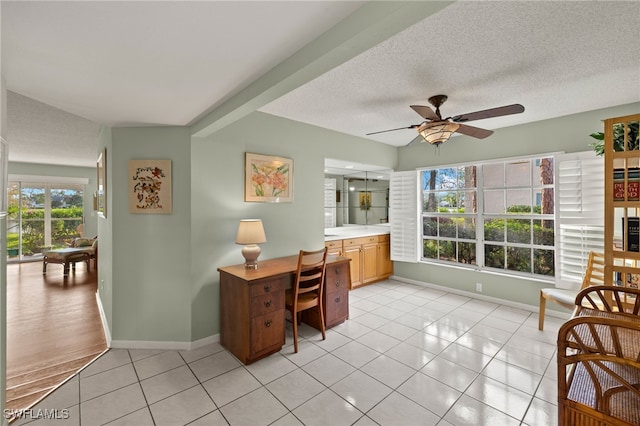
(150, 186)
(268, 179)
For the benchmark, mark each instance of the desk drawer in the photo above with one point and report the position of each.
(336, 278)
(266, 303)
(267, 332)
(267, 286)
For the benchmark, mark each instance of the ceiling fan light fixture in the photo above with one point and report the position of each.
(436, 133)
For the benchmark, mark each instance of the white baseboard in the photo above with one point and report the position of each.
(510, 303)
(146, 344)
(165, 345)
(103, 317)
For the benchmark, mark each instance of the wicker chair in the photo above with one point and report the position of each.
(599, 359)
(599, 371)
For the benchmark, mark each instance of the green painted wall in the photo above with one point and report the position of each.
(150, 279)
(217, 197)
(105, 253)
(569, 134)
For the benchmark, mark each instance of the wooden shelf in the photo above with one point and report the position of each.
(622, 267)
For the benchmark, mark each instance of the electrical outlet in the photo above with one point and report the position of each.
(479, 287)
(101, 284)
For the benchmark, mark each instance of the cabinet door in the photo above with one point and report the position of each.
(369, 263)
(355, 254)
(385, 265)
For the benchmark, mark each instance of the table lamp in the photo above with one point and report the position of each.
(250, 234)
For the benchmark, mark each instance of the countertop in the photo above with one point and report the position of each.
(355, 231)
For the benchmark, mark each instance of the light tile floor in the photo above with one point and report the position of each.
(408, 355)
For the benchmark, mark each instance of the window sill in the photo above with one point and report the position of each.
(475, 268)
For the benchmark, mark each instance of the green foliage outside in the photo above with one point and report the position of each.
(63, 230)
(517, 231)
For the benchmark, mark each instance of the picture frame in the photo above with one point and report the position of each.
(364, 198)
(150, 187)
(268, 179)
(101, 193)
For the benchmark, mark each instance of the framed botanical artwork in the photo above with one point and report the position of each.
(101, 193)
(268, 179)
(150, 186)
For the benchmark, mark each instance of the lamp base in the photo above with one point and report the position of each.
(251, 253)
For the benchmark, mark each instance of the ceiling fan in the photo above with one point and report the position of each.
(436, 130)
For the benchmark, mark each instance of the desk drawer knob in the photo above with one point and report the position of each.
(267, 323)
(337, 283)
(267, 288)
(267, 303)
(337, 300)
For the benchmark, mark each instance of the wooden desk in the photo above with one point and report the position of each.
(252, 311)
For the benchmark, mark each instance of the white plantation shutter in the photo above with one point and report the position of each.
(403, 216)
(330, 203)
(580, 214)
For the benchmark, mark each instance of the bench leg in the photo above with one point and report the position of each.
(66, 268)
(44, 266)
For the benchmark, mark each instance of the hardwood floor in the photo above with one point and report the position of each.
(53, 328)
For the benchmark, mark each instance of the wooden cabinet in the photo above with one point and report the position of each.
(370, 259)
(352, 250)
(252, 315)
(334, 248)
(385, 265)
(622, 201)
(335, 298)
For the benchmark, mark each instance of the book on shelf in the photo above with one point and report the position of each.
(633, 184)
(631, 229)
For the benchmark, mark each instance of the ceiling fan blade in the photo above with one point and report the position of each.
(413, 126)
(489, 113)
(425, 112)
(475, 132)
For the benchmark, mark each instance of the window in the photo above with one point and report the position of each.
(498, 215)
(450, 214)
(41, 216)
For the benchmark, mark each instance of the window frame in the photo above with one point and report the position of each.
(481, 217)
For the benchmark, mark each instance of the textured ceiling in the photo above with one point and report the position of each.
(555, 58)
(71, 66)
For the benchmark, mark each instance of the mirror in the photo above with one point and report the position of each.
(355, 194)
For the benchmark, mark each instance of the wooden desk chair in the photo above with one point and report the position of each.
(307, 289)
(594, 275)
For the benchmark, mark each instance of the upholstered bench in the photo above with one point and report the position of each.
(66, 256)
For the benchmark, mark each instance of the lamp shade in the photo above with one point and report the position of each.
(438, 132)
(250, 231)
